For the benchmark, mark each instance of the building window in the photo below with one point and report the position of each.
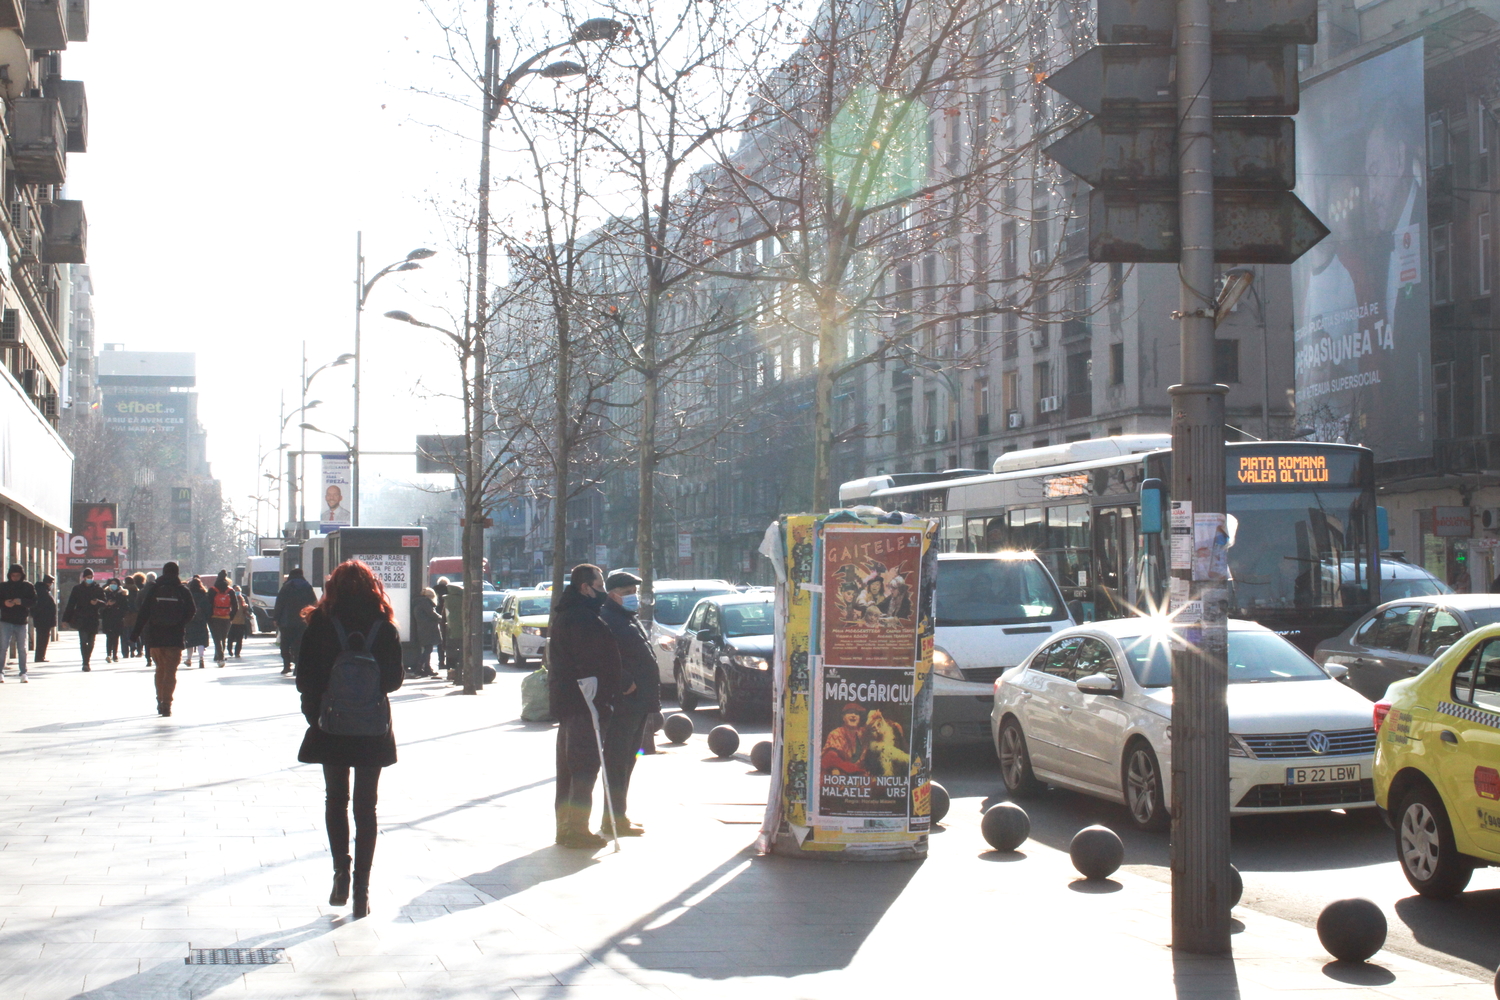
(1116, 282)
(982, 397)
(1041, 389)
(1486, 394)
(1442, 398)
(1116, 364)
(1442, 261)
(981, 458)
(1010, 392)
(1437, 140)
(1226, 361)
(1009, 335)
(1482, 261)
(1008, 250)
(1080, 385)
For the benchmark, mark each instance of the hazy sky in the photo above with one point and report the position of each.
(233, 153)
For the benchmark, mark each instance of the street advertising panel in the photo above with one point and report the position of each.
(88, 547)
(394, 571)
(851, 769)
(398, 558)
(1361, 296)
(335, 509)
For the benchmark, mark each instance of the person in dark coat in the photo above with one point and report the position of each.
(44, 616)
(427, 626)
(640, 700)
(112, 619)
(82, 612)
(580, 645)
(17, 598)
(354, 598)
(166, 609)
(133, 597)
(441, 590)
(295, 595)
(197, 629)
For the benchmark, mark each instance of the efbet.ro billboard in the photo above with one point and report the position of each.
(145, 413)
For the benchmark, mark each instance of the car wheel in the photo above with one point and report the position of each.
(731, 703)
(1425, 846)
(686, 696)
(515, 653)
(1015, 761)
(1141, 781)
(500, 653)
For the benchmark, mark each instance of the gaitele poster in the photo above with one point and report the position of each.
(870, 580)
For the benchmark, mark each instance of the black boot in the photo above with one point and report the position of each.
(361, 894)
(340, 894)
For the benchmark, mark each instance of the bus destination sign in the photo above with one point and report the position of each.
(1282, 470)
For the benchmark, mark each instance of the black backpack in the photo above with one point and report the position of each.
(354, 703)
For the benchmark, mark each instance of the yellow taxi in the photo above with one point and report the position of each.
(521, 625)
(1437, 764)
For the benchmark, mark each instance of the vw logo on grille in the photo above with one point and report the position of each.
(1317, 742)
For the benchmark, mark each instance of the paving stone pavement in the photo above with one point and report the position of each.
(127, 839)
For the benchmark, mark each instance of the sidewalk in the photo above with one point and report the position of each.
(127, 839)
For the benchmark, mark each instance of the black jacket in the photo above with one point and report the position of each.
(112, 611)
(636, 658)
(165, 611)
(580, 645)
(16, 590)
(320, 646)
(44, 612)
(84, 604)
(197, 629)
(426, 622)
(295, 594)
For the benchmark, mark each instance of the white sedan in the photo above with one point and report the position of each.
(1091, 710)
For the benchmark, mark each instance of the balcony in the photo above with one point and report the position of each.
(75, 111)
(77, 17)
(45, 27)
(38, 140)
(65, 233)
(12, 14)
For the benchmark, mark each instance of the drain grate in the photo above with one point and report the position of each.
(234, 956)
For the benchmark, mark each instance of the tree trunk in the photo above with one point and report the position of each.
(562, 453)
(473, 639)
(822, 485)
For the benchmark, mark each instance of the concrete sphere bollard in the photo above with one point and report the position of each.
(1005, 826)
(678, 728)
(723, 741)
(760, 756)
(1497, 984)
(1236, 887)
(1351, 929)
(1096, 851)
(938, 807)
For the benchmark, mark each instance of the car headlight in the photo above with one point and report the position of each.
(1238, 747)
(530, 630)
(945, 665)
(667, 643)
(753, 662)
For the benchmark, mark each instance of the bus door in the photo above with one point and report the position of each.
(1116, 588)
(1068, 554)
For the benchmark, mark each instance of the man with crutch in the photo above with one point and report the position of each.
(580, 647)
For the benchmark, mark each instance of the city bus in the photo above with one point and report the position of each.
(1305, 530)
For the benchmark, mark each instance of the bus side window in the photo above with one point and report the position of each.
(996, 534)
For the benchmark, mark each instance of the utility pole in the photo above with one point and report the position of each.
(360, 291)
(1200, 719)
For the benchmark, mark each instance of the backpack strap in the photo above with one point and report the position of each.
(338, 628)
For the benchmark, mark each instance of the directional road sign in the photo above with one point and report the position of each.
(1248, 153)
(1139, 226)
(1139, 80)
(1294, 22)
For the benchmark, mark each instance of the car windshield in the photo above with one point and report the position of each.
(492, 600)
(674, 608)
(747, 619)
(526, 606)
(995, 592)
(1254, 658)
(264, 583)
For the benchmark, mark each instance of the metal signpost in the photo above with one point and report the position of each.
(1156, 85)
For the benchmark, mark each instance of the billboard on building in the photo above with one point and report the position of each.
(88, 546)
(1361, 296)
(336, 493)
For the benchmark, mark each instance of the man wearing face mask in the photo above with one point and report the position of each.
(580, 645)
(640, 699)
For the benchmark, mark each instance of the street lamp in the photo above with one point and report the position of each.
(362, 289)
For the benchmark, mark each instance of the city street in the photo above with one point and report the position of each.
(129, 839)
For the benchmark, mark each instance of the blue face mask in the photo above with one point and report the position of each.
(631, 602)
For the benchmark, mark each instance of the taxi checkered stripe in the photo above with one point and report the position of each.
(1470, 714)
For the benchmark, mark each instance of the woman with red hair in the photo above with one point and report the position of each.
(354, 616)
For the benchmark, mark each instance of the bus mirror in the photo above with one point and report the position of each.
(1151, 503)
(1383, 528)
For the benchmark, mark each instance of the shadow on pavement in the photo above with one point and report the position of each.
(1204, 975)
(1466, 927)
(516, 875)
(1359, 973)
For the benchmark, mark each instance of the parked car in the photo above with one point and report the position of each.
(492, 599)
(991, 611)
(725, 653)
(1400, 638)
(675, 600)
(1437, 765)
(521, 625)
(1091, 710)
(1399, 578)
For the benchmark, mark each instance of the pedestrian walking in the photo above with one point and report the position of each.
(112, 619)
(349, 662)
(240, 625)
(640, 700)
(427, 629)
(167, 606)
(223, 603)
(295, 595)
(580, 645)
(82, 612)
(197, 629)
(440, 589)
(134, 585)
(17, 598)
(44, 617)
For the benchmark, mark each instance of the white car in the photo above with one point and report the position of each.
(675, 600)
(1091, 710)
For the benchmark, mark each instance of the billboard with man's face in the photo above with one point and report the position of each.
(1360, 297)
(335, 500)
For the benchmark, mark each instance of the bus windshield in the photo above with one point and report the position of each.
(1298, 550)
(995, 592)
